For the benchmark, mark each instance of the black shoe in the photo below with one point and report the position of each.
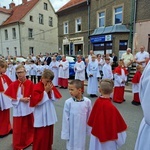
(136, 103)
(117, 102)
(94, 95)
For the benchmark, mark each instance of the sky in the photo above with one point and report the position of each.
(55, 3)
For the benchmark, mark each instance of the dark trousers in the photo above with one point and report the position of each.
(33, 78)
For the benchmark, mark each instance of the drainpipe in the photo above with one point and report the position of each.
(88, 4)
(132, 22)
(1, 40)
(134, 19)
(20, 39)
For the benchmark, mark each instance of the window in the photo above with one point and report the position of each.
(6, 35)
(7, 51)
(45, 6)
(101, 19)
(31, 18)
(41, 19)
(78, 25)
(31, 50)
(15, 48)
(118, 15)
(14, 33)
(66, 28)
(50, 21)
(30, 33)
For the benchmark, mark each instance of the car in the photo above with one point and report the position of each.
(20, 59)
(72, 62)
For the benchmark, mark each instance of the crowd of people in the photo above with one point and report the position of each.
(30, 88)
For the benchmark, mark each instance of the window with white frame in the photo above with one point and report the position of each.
(41, 19)
(78, 24)
(6, 34)
(101, 19)
(14, 33)
(118, 15)
(30, 33)
(51, 21)
(66, 27)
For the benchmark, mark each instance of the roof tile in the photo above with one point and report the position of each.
(70, 4)
(18, 12)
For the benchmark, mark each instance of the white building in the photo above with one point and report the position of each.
(28, 28)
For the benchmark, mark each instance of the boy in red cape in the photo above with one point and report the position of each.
(20, 92)
(120, 78)
(44, 93)
(108, 126)
(135, 85)
(5, 102)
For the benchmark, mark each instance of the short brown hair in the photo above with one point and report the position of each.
(3, 63)
(48, 74)
(106, 85)
(77, 83)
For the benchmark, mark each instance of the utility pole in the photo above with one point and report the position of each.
(89, 7)
(132, 22)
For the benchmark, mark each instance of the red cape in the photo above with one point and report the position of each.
(38, 92)
(117, 70)
(136, 78)
(6, 79)
(12, 90)
(106, 121)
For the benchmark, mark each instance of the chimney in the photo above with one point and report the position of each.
(24, 1)
(12, 5)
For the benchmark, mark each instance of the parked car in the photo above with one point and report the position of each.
(72, 62)
(21, 59)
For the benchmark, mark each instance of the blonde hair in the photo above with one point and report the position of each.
(106, 86)
(20, 66)
(48, 74)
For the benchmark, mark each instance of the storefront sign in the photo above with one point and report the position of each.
(78, 39)
(101, 38)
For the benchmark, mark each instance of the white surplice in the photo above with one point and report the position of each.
(74, 123)
(54, 66)
(143, 139)
(44, 113)
(95, 144)
(5, 102)
(93, 69)
(80, 70)
(64, 70)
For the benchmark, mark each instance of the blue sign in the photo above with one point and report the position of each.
(102, 38)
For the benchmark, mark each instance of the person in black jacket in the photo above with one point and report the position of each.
(47, 58)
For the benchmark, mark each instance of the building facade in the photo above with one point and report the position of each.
(73, 28)
(111, 26)
(142, 25)
(29, 28)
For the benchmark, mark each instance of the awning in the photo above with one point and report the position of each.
(110, 29)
